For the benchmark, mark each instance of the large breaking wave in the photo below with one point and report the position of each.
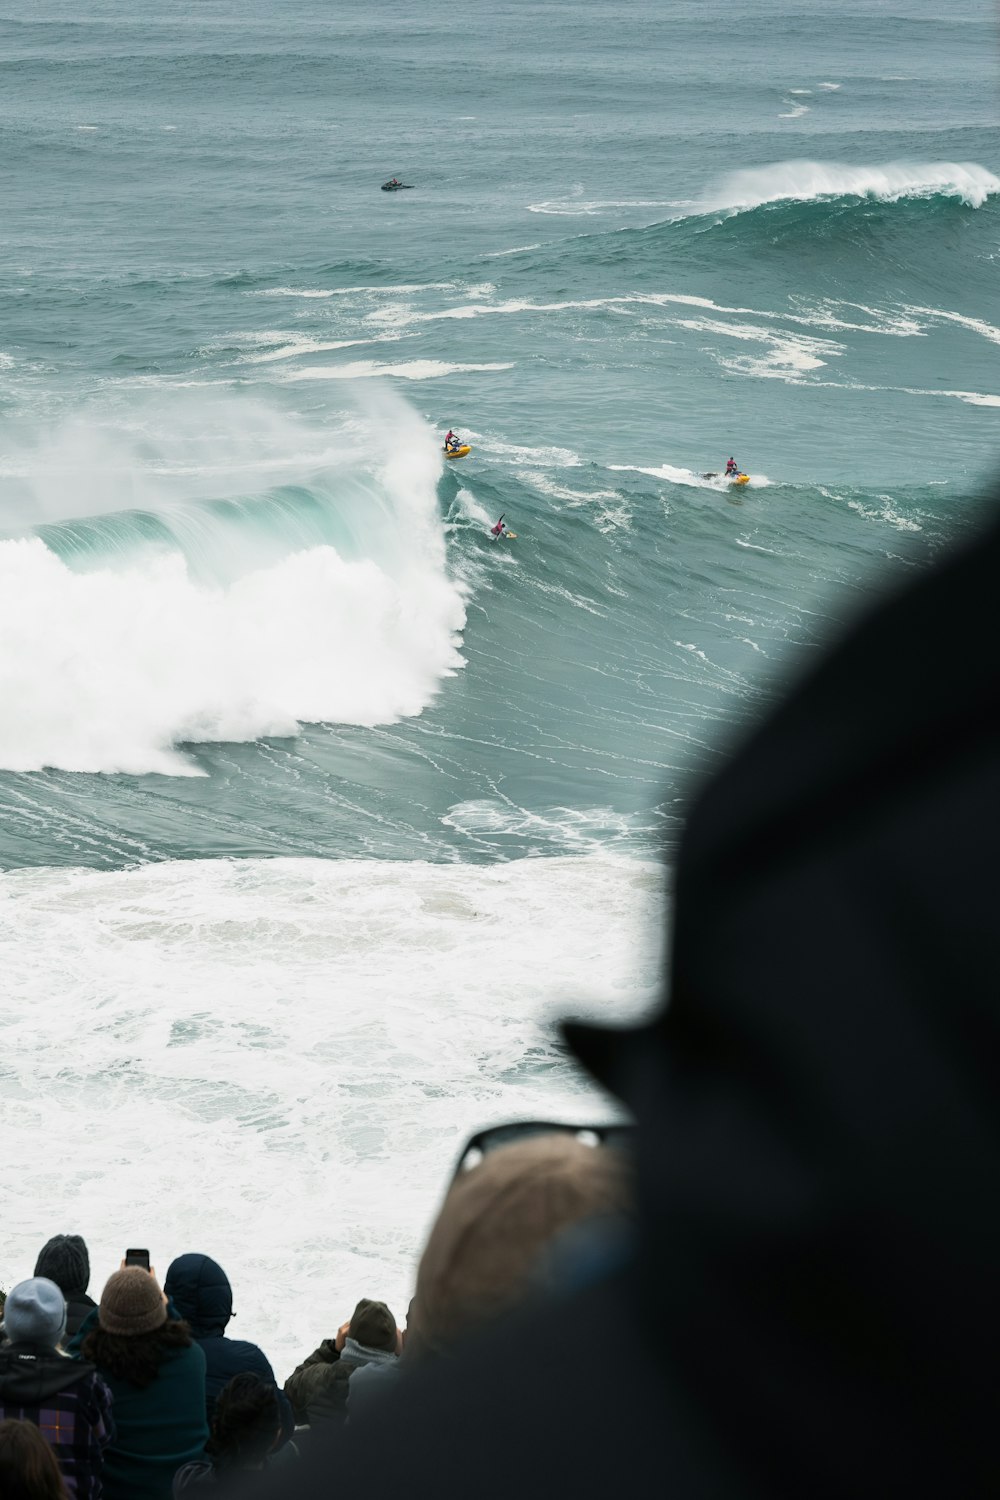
(312, 586)
(807, 181)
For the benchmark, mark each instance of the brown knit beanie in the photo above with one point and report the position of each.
(132, 1303)
(496, 1222)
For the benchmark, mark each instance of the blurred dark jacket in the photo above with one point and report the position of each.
(201, 1294)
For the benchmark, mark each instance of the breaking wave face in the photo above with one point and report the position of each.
(805, 181)
(231, 593)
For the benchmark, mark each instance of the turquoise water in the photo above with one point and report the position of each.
(199, 260)
(282, 731)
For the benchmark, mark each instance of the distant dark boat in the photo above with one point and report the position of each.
(394, 187)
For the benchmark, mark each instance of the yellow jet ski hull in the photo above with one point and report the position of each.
(741, 479)
(458, 452)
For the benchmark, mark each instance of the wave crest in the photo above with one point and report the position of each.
(806, 181)
(110, 661)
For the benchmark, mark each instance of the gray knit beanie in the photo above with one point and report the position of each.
(132, 1303)
(64, 1260)
(35, 1313)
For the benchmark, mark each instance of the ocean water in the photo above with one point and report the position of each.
(316, 804)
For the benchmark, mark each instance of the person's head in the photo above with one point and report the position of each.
(28, 1467)
(133, 1334)
(199, 1289)
(499, 1220)
(64, 1260)
(246, 1423)
(373, 1326)
(35, 1313)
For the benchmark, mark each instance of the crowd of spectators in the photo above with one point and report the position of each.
(143, 1396)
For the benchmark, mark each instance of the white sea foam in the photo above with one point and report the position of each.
(971, 398)
(823, 315)
(887, 512)
(573, 208)
(538, 456)
(112, 668)
(399, 316)
(547, 486)
(267, 347)
(413, 369)
(977, 325)
(403, 289)
(515, 250)
(284, 1056)
(796, 111)
(788, 353)
(805, 180)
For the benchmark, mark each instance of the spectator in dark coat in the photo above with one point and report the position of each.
(246, 1434)
(64, 1260)
(814, 1306)
(156, 1373)
(66, 1399)
(200, 1292)
(319, 1387)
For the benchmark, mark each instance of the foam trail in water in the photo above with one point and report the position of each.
(111, 668)
(414, 369)
(675, 475)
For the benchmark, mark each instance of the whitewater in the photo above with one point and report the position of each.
(317, 806)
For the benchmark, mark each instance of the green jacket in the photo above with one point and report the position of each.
(157, 1429)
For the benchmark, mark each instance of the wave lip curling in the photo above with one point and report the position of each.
(804, 181)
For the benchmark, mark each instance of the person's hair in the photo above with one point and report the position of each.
(28, 1467)
(492, 1246)
(135, 1357)
(245, 1424)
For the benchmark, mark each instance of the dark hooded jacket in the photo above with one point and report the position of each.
(813, 1310)
(200, 1292)
(64, 1260)
(70, 1404)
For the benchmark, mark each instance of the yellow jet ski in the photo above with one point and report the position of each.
(458, 452)
(740, 479)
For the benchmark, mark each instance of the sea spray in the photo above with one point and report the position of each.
(109, 661)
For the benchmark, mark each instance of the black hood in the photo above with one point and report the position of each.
(29, 1374)
(200, 1291)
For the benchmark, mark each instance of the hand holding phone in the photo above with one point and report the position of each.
(137, 1258)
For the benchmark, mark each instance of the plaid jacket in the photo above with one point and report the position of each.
(69, 1402)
